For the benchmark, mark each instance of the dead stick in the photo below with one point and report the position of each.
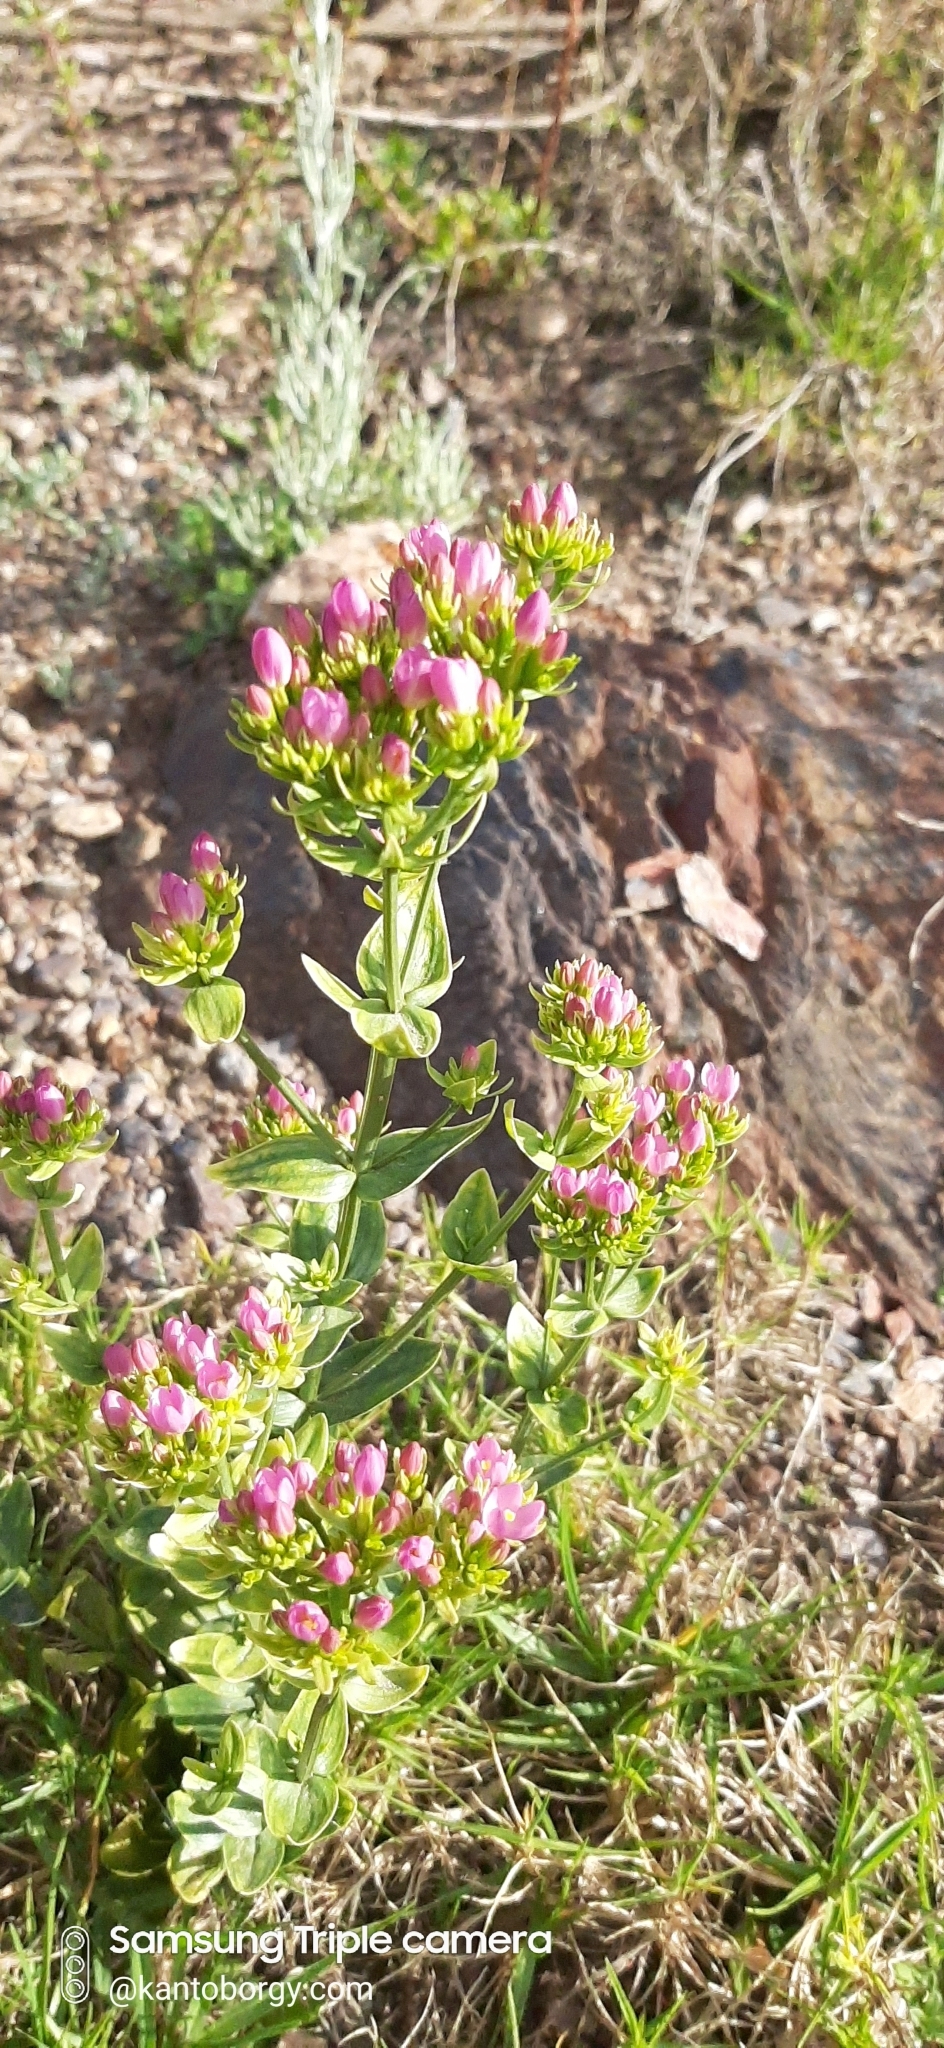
(552, 145)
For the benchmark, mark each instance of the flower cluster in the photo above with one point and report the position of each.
(337, 1551)
(471, 1078)
(368, 708)
(271, 1115)
(175, 1405)
(662, 1158)
(590, 1020)
(188, 940)
(45, 1126)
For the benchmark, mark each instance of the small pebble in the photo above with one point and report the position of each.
(231, 1069)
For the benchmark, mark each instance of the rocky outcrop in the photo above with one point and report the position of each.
(793, 784)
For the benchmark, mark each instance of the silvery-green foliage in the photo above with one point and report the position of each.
(317, 470)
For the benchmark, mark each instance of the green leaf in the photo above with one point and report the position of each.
(405, 1623)
(85, 1264)
(389, 1687)
(626, 1296)
(252, 1860)
(195, 1865)
(429, 972)
(346, 1398)
(215, 1010)
(134, 1540)
(231, 1752)
(239, 1662)
(311, 1440)
(314, 1226)
(297, 1813)
(569, 1317)
(404, 1157)
(80, 1357)
(330, 986)
(532, 1352)
(531, 1142)
(330, 1336)
(17, 1520)
(203, 1713)
(370, 1244)
(307, 1166)
(408, 1034)
(137, 1846)
(331, 1741)
(472, 1222)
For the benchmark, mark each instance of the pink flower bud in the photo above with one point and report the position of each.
(647, 1105)
(679, 1075)
(217, 1379)
(205, 855)
(533, 622)
(414, 1553)
(720, 1084)
(373, 684)
(692, 1136)
(470, 1060)
(347, 1121)
(412, 1461)
(118, 1362)
(301, 667)
(554, 647)
(39, 1129)
(360, 729)
(273, 1499)
(427, 1575)
(83, 1101)
(330, 1641)
(306, 1621)
(183, 902)
(397, 1510)
(145, 1356)
(226, 1513)
(410, 620)
(298, 625)
(337, 1568)
(395, 757)
(115, 1409)
(425, 544)
(374, 1612)
(271, 657)
(456, 681)
(345, 1456)
(6, 1084)
(351, 606)
(533, 505)
(326, 716)
(293, 724)
(476, 568)
(369, 1470)
(490, 697)
(304, 1476)
(336, 642)
(562, 505)
(411, 678)
(171, 1410)
(50, 1102)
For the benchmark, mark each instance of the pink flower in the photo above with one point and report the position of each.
(115, 1409)
(693, 1136)
(271, 657)
(608, 1191)
(411, 677)
(306, 1621)
(145, 1356)
(533, 622)
(326, 716)
(425, 544)
(654, 1152)
(427, 1575)
(374, 1612)
(345, 1456)
(508, 1517)
(297, 625)
(397, 1510)
(226, 1513)
(720, 1084)
(567, 1182)
(456, 681)
(171, 1410)
(647, 1105)
(330, 1641)
(351, 606)
(486, 1463)
(305, 1476)
(50, 1102)
(205, 855)
(415, 1553)
(6, 1084)
(410, 620)
(679, 1075)
(258, 701)
(293, 724)
(610, 1001)
(490, 697)
(118, 1362)
(412, 1461)
(477, 567)
(217, 1379)
(369, 1470)
(183, 902)
(562, 505)
(554, 647)
(373, 684)
(533, 505)
(395, 757)
(337, 1568)
(273, 1499)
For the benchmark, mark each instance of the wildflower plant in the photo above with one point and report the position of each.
(315, 1561)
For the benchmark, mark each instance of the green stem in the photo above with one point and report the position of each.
(391, 897)
(380, 1073)
(455, 1276)
(270, 1072)
(54, 1249)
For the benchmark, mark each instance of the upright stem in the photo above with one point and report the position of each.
(54, 1249)
(380, 1072)
(270, 1072)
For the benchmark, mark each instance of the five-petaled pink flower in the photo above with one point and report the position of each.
(720, 1084)
(508, 1516)
(306, 1621)
(171, 1410)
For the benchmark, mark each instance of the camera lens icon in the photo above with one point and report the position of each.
(75, 1965)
